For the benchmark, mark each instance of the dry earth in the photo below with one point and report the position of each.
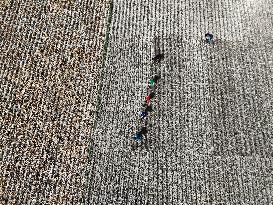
(209, 137)
(210, 133)
(51, 55)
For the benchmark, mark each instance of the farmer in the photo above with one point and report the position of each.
(143, 114)
(151, 83)
(152, 95)
(143, 131)
(149, 97)
(137, 136)
(156, 78)
(148, 108)
(147, 100)
(209, 37)
(158, 57)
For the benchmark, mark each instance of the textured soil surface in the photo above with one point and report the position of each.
(70, 99)
(51, 56)
(210, 133)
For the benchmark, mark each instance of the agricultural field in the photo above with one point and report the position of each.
(51, 54)
(209, 137)
(73, 79)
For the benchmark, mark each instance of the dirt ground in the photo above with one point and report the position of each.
(51, 54)
(209, 136)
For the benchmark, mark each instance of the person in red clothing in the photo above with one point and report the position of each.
(149, 97)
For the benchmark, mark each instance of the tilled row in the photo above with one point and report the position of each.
(209, 140)
(51, 56)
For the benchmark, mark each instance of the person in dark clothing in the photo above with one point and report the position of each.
(152, 95)
(144, 105)
(148, 108)
(156, 78)
(143, 131)
(138, 135)
(158, 57)
(209, 37)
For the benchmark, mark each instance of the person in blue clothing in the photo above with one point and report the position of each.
(209, 37)
(143, 114)
(148, 108)
(137, 136)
